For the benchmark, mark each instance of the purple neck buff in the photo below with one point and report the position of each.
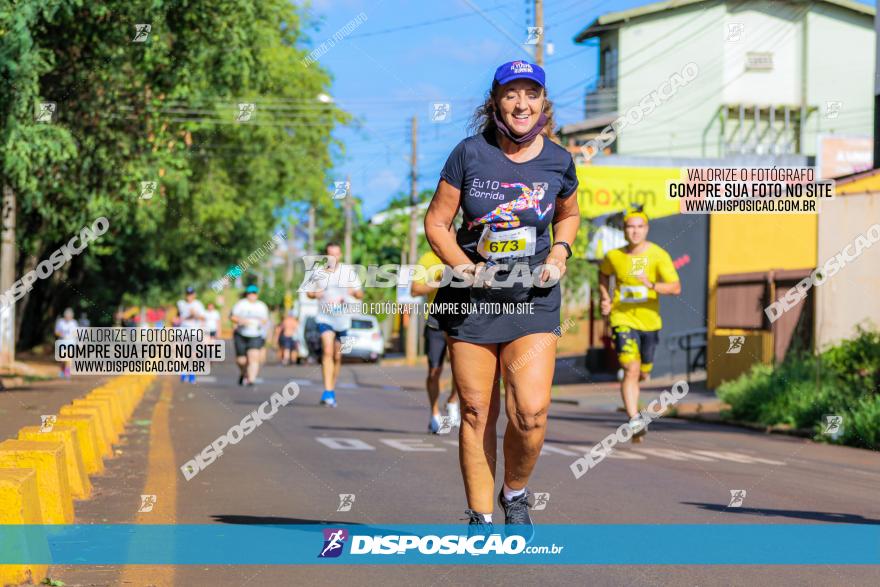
(520, 139)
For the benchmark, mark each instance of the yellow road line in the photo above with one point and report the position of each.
(161, 482)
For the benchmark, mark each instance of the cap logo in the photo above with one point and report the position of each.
(521, 67)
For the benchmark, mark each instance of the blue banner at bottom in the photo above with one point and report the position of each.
(623, 544)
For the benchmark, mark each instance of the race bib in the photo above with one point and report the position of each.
(633, 294)
(519, 242)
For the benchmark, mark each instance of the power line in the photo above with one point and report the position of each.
(424, 23)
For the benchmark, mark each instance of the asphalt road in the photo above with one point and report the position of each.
(293, 468)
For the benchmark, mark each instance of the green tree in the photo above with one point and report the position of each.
(162, 110)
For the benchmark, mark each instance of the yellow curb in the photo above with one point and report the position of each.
(111, 431)
(47, 459)
(117, 394)
(116, 410)
(95, 414)
(87, 433)
(80, 487)
(20, 504)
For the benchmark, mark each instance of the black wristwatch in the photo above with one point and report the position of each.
(567, 247)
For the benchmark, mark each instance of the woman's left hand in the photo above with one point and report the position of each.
(556, 258)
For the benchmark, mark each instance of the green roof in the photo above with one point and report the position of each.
(614, 19)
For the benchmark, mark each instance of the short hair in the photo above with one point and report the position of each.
(331, 244)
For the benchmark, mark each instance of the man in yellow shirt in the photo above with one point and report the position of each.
(642, 271)
(435, 342)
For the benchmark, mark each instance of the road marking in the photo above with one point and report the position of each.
(549, 448)
(416, 444)
(737, 457)
(344, 443)
(617, 453)
(672, 454)
(161, 482)
(303, 381)
(411, 445)
(206, 379)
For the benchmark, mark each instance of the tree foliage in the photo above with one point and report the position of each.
(162, 110)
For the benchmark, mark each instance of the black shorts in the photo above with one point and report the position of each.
(486, 316)
(287, 343)
(245, 343)
(635, 345)
(435, 346)
(212, 334)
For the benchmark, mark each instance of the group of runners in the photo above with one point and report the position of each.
(250, 318)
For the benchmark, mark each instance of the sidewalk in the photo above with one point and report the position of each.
(23, 405)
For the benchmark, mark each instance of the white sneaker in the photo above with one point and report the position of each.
(453, 411)
(636, 424)
(639, 428)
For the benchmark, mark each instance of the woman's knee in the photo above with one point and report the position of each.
(478, 414)
(528, 416)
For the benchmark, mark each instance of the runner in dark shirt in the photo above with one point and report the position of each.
(511, 183)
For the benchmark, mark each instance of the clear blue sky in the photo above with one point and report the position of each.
(410, 53)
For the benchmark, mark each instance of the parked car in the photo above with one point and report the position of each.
(367, 344)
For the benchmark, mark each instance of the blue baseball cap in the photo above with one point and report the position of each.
(519, 70)
(251, 289)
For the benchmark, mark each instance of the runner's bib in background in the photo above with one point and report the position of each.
(633, 294)
(519, 242)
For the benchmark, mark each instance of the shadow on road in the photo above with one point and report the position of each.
(273, 520)
(613, 419)
(362, 429)
(798, 514)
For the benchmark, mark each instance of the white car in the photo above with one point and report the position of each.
(364, 339)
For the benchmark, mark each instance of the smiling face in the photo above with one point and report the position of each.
(520, 104)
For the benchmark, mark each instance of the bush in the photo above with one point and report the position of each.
(844, 380)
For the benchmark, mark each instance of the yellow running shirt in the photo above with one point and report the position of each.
(634, 304)
(429, 260)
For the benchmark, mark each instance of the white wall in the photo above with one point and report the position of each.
(840, 53)
(840, 68)
(767, 27)
(651, 50)
(850, 296)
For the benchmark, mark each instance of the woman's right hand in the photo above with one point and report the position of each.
(605, 307)
(471, 271)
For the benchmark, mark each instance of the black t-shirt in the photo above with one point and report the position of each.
(504, 194)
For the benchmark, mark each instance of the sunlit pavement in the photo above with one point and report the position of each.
(293, 468)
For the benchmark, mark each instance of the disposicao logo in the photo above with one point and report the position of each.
(334, 540)
(521, 67)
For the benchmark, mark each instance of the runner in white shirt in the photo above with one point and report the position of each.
(212, 322)
(65, 329)
(192, 317)
(333, 286)
(250, 317)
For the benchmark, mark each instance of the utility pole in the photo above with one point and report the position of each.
(539, 24)
(411, 332)
(7, 277)
(288, 269)
(347, 206)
